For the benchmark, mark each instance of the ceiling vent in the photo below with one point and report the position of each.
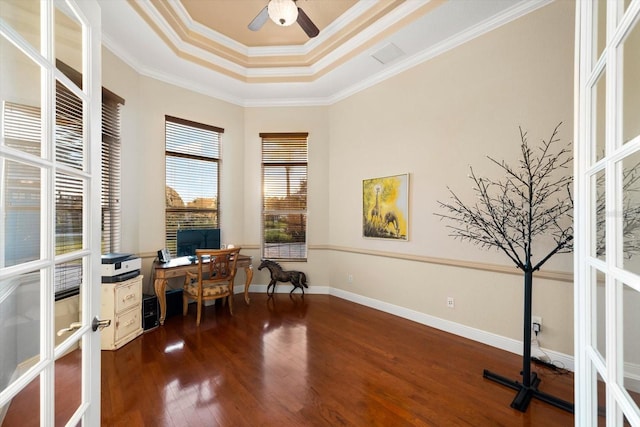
(388, 53)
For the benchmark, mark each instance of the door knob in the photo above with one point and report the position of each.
(100, 324)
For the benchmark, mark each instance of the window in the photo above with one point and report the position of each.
(284, 198)
(192, 162)
(21, 127)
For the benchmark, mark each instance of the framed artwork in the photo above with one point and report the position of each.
(385, 207)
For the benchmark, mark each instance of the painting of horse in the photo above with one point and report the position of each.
(297, 278)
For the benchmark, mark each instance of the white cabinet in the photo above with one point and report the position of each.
(122, 303)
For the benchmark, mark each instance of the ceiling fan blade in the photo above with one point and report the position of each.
(307, 25)
(259, 20)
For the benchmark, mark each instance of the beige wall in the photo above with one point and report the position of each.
(432, 121)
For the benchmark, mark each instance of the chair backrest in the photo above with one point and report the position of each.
(217, 265)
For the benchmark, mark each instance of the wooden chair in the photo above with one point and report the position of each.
(216, 272)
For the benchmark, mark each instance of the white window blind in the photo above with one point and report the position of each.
(192, 163)
(284, 200)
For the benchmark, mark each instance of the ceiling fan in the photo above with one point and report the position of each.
(284, 13)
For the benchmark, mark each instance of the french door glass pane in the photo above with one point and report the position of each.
(21, 201)
(19, 325)
(20, 96)
(25, 402)
(69, 128)
(600, 311)
(631, 320)
(631, 92)
(68, 386)
(68, 36)
(601, 402)
(599, 104)
(599, 239)
(69, 203)
(631, 213)
(600, 26)
(24, 17)
(68, 276)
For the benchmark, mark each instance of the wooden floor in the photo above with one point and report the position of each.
(317, 361)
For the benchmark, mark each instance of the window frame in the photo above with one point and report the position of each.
(298, 155)
(173, 125)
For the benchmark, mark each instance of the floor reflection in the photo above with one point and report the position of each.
(284, 347)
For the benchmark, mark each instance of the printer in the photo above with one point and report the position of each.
(118, 267)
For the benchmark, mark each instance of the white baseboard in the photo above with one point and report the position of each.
(508, 344)
(632, 377)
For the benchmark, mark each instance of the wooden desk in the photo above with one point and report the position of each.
(177, 267)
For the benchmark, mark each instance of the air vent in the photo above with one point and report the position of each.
(388, 53)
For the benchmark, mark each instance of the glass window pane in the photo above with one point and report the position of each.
(24, 17)
(598, 243)
(601, 402)
(599, 104)
(285, 236)
(68, 278)
(19, 325)
(284, 195)
(631, 340)
(21, 200)
(631, 213)
(631, 92)
(176, 220)
(69, 205)
(599, 306)
(20, 97)
(600, 26)
(25, 402)
(69, 128)
(68, 386)
(192, 174)
(192, 183)
(68, 37)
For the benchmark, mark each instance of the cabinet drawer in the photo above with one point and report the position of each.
(127, 323)
(127, 295)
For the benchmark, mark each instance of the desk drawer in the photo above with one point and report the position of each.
(127, 296)
(127, 323)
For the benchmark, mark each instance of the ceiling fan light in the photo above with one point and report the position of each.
(283, 12)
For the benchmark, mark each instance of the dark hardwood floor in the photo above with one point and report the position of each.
(317, 361)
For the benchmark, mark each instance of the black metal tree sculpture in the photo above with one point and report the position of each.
(534, 200)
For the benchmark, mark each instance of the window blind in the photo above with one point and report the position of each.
(192, 164)
(284, 201)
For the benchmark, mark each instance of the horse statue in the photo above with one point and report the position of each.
(297, 278)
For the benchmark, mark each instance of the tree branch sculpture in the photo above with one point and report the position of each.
(533, 200)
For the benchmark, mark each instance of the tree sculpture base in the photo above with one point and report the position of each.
(526, 393)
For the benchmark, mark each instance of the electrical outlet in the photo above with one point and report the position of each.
(350, 278)
(538, 320)
(450, 302)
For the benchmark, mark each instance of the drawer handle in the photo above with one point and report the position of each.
(128, 297)
(131, 322)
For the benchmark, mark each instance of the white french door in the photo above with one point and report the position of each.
(607, 213)
(49, 212)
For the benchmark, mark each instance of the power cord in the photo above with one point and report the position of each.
(545, 360)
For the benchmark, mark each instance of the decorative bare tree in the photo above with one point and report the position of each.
(532, 201)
